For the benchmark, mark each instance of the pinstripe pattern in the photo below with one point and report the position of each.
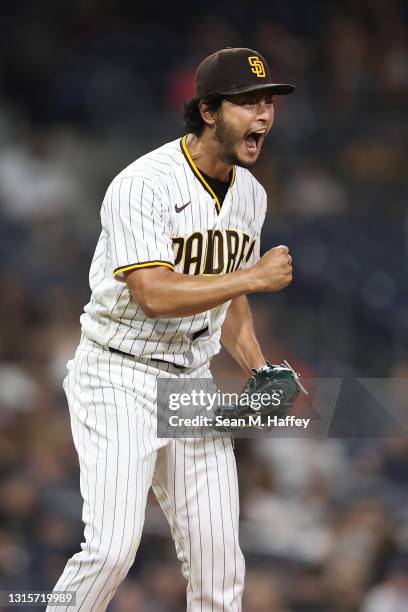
(138, 223)
(113, 416)
(112, 398)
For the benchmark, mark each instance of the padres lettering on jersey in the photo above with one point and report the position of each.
(161, 211)
(213, 251)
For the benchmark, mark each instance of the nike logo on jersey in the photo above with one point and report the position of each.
(180, 208)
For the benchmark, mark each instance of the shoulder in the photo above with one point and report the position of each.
(147, 179)
(253, 188)
(155, 167)
(249, 182)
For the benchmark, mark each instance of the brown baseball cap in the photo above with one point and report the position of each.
(236, 70)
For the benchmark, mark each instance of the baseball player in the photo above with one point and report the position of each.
(176, 257)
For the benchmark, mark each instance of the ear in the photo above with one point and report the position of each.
(209, 116)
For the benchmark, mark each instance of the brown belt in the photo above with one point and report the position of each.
(175, 365)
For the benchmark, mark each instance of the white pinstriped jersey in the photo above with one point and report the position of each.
(161, 211)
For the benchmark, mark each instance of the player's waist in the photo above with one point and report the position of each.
(165, 362)
(159, 362)
(166, 339)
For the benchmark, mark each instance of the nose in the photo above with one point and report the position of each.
(264, 111)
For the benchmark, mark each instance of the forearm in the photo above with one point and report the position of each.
(162, 293)
(167, 294)
(238, 335)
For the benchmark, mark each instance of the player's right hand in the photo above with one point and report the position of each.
(273, 271)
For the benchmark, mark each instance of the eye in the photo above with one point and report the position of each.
(269, 100)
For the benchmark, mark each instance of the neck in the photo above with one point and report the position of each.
(206, 153)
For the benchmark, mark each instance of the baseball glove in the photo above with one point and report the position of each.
(270, 392)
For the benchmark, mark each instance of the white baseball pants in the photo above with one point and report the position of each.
(112, 403)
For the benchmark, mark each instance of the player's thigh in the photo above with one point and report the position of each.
(113, 431)
(197, 480)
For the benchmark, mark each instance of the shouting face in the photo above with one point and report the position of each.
(241, 126)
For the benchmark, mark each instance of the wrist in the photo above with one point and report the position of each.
(261, 368)
(253, 281)
(259, 365)
(253, 360)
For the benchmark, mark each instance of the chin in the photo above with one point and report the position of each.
(245, 162)
(241, 160)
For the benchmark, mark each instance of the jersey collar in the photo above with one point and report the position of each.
(196, 171)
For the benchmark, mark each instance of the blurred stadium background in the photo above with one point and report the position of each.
(85, 88)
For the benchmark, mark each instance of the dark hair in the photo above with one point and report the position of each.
(193, 120)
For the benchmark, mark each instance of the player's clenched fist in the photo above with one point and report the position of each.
(274, 270)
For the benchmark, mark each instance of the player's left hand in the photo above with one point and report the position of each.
(270, 392)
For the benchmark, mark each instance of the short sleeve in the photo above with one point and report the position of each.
(138, 226)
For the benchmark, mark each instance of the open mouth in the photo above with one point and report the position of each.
(253, 141)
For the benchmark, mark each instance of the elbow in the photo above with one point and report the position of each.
(152, 306)
(150, 309)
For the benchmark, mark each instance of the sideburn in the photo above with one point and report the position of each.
(221, 134)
